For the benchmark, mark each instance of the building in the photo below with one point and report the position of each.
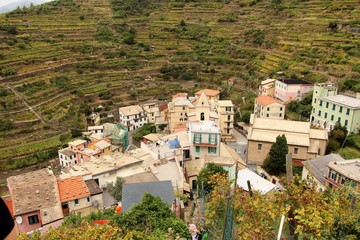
(132, 117)
(210, 94)
(225, 111)
(178, 112)
(93, 119)
(292, 89)
(151, 111)
(344, 172)
(267, 87)
(205, 139)
(329, 108)
(316, 169)
(268, 107)
(304, 143)
(36, 201)
(161, 120)
(133, 193)
(75, 196)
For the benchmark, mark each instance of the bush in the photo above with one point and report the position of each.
(6, 125)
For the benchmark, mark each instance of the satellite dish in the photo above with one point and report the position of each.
(19, 219)
(95, 203)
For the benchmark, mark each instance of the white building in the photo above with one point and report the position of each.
(132, 117)
(205, 139)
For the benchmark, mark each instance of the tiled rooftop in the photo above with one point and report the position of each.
(72, 188)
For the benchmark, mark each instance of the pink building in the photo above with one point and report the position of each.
(76, 152)
(35, 200)
(294, 89)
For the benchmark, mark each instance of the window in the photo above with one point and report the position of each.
(33, 219)
(76, 201)
(81, 156)
(267, 115)
(314, 100)
(327, 105)
(197, 149)
(280, 108)
(346, 122)
(183, 108)
(348, 111)
(325, 116)
(229, 117)
(228, 109)
(332, 117)
(334, 106)
(211, 150)
(180, 114)
(88, 199)
(268, 109)
(280, 115)
(332, 175)
(259, 146)
(340, 109)
(320, 103)
(319, 113)
(296, 150)
(339, 120)
(202, 116)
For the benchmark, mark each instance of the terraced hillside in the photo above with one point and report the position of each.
(64, 58)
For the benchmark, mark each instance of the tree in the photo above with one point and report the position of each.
(152, 215)
(275, 162)
(116, 189)
(337, 137)
(206, 173)
(308, 214)
(246, 117)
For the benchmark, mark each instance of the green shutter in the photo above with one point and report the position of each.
(208, 149)
(215, 150)
(200, 138)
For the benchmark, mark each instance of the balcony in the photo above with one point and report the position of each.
(227, 112)
(229, 127)
(205, 144)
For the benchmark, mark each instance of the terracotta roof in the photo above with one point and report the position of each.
(163, 107)
(179, 128)
(93, 187)
(9, 204)
(183, 95)
(72, 188)
(266, 100)
(208, 92)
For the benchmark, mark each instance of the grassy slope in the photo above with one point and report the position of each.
(52, 41)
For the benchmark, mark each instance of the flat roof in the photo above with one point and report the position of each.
(344, 100)
(270, 80)
(102, 144)
(204, 126)
(77, 142)
(348, 168)
(225, 103)
(294, 81)
(131, 110)
(67, 152)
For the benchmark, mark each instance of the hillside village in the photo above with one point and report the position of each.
(174, 120)
(197, 131)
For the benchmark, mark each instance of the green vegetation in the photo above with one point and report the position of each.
(101, 51)
(203, 179)
(144, 130)
(116, 189)
(151, 219)
(299, 110)
(275, 162)
(309, 214)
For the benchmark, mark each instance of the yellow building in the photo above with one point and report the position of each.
(304, 143)
(268, 107)
(178, 112)
(225, 111)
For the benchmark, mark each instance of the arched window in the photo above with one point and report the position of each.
(202, 116)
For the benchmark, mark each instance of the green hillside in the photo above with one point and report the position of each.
(59, 58)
